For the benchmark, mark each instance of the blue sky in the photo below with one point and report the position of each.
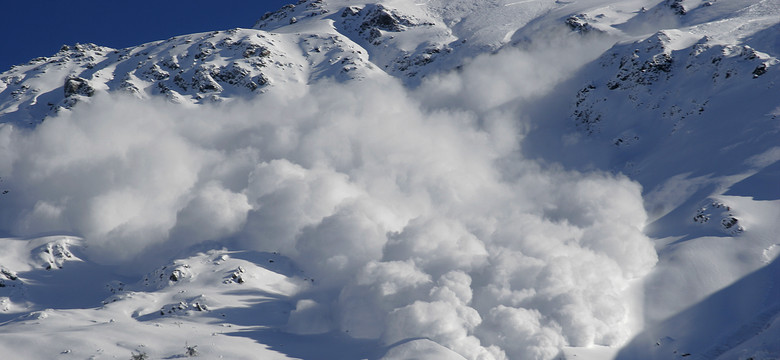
(34, 28)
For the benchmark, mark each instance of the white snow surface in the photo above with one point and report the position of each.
(402, 179)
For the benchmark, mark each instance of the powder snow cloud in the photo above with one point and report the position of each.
(419, 218)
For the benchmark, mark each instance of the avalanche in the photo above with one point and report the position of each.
(396, 180)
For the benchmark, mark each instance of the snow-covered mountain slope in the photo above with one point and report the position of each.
(211, 304)
(338, 39)
(490, 179)
(188, 69)
(691, 113)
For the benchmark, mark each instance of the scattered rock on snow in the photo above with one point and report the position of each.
(728, 222)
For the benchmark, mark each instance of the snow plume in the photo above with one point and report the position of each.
(416, 221)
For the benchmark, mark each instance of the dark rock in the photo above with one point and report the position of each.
(78, 86)
(759, 70)
(579, 23)
(9, 274)
(677, 6)
(729, 222)
(350, 11)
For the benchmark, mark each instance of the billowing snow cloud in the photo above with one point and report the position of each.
(416, 220)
